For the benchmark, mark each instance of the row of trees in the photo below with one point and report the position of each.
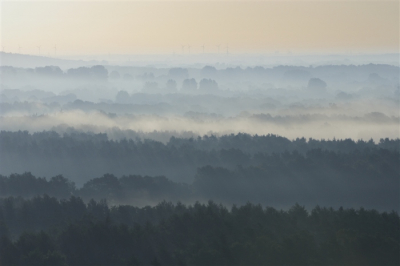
(45, 231)
(288, 72)
(229, 169)
(250, 144)
(250, 72)
(188, 85)
(204, 85)
(368, 178)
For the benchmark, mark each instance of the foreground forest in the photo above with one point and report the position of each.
(46, 231)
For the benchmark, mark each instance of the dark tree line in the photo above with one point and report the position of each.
(12, 140)
(126, 188)
(355, 179)
(46, 231)
(81, 156)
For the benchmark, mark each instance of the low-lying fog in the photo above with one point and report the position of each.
(318, 126)
(332, 101)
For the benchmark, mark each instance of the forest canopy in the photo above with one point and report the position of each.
(70, 232)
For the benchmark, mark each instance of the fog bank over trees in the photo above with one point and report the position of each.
(327, 101)
(371, 125)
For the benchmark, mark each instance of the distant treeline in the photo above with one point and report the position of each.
(46, 140)
(46, 231)
(82, 156)
(135, 189)
(288, 72)
(231, 169)
(367, 178)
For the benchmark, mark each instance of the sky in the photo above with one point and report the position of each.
(163, 27)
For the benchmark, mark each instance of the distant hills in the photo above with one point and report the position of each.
(32, 61)
(220, 61)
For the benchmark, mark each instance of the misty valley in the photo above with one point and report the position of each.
(231, 163)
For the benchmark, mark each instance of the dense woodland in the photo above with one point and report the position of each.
(232, 169)
(129, 206)
(82, 156)
(46, 231)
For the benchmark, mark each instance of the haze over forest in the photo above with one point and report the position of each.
(150, 117)
(199, 133)
(325, 101)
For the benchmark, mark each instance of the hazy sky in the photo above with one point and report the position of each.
(142, 27)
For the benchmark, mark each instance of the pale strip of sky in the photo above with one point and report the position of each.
(91, 27)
